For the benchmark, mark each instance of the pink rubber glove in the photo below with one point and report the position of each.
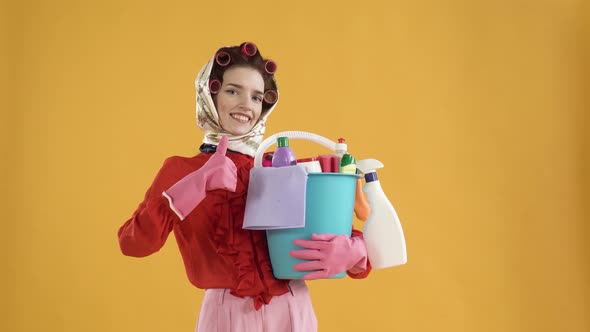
(219, 172)
(330, 254)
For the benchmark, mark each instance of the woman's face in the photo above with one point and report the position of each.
(239, 102)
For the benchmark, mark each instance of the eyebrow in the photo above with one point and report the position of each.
(241, 87)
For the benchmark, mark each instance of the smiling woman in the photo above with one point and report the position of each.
(203, 198)
(236, 91)
(239, 103)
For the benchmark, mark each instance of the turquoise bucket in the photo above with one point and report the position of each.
(329, 204)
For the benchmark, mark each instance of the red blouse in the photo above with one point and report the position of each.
(216, 251)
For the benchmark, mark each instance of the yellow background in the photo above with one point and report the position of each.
(478, 109)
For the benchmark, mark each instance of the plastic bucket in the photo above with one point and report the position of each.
(329, 205)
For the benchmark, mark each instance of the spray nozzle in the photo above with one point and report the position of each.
(368, 165)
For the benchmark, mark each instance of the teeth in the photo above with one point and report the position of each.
(240, 117)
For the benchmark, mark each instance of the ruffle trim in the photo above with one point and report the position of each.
(248, 250)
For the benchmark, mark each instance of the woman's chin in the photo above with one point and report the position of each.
(239, 131)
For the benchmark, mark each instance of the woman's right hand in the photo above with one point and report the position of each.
(220, 171)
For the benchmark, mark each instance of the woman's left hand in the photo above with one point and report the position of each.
(329, 254)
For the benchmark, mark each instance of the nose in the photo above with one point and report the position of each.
(246, 101)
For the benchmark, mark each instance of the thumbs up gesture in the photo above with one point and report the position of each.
(219, 171)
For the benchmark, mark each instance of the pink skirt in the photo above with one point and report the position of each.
(290, 312)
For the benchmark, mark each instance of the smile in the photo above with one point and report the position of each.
(240, 117)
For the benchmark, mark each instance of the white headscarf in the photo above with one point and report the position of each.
(208, 119)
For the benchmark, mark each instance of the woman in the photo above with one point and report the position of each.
(202, 199)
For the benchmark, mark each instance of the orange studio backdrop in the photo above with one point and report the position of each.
(477, 109)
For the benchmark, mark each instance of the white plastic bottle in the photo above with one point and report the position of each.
(384, 237)
(340, 148)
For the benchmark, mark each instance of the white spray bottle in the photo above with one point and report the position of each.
(386, 245)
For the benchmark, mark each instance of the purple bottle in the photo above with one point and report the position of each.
(283, 156)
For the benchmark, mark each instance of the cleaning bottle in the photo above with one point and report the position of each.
(362, 210)
(267, 159)
(283, 156)
(340, 147)
(383, 234)
(339, 150)
(347, 164)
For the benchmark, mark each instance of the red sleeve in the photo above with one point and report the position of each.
(365, 273)
(149, 226)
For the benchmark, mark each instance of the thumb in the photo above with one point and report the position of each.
(222, 146)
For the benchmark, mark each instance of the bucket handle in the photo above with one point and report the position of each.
(291, 134)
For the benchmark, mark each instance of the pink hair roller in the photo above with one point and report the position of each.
(248, 49)
(271, 96)
(222, 58)
(270, 67)
(214, 86)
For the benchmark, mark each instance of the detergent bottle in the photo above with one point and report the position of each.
(339, 150)
(283, 156)
(340, 147)
(347, 164)
(384, 237)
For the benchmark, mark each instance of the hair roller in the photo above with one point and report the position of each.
(248, 49)
(222, 58)
(270, 96)
(214, 86)
(270, 67)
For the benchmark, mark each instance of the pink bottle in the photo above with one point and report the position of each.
(267, 159)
